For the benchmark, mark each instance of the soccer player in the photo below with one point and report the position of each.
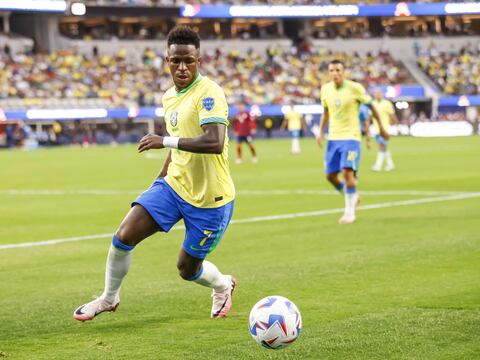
(364, 118)
(244, 127)
(293, 120)
(194, 183)
(341, 99)
(387, 117)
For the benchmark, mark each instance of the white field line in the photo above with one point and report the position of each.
(107, 192)
(266, 218)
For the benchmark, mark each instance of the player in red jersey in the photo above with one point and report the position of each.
(244, 127)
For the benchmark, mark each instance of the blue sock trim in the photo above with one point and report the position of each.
(340, 187)
(351, 190)
(119, 245)
(197, 275)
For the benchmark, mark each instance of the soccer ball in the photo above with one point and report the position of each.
(275, 322)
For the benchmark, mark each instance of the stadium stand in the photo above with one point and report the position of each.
(455, 72)
(275, 77)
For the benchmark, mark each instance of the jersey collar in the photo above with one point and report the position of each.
(342, 85)
(197, 79)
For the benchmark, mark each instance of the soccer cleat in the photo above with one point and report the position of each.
(93, 308)
(389, 167)
(376, 168)
(358, 201)
(255, 160)
(347, 219)
(222, 301)
(238, 161)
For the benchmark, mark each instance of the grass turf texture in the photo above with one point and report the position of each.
(401, 283)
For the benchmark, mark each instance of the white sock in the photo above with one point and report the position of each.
(295, 146)
(350, 201)
(118, 263)
(211, 277)
(389, 159)
(380, 159)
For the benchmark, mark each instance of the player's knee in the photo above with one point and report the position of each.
(124, 236)
(331, 177)
(186, 274)
(185, 271)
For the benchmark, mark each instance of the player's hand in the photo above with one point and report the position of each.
(320, 141)
(254, 132)
(150, 141)
(384, 134)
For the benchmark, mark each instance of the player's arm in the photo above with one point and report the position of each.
(253, 125)
(284, 124)
(210, 142)
(393, 119)
(167, 162)
(367, 132)
(376, 116)
(235, 126)
(303, 124)
(323, 125)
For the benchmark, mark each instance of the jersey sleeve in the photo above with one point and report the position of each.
(212, 106)
(391, 110)
(323, 99)
(361, 94)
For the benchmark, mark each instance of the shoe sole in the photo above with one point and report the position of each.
(88, 318)
(226, 309)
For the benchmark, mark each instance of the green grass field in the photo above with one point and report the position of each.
(401, 283)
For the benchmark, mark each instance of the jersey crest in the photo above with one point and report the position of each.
(173, 118)
(338, 102)
(208, 103)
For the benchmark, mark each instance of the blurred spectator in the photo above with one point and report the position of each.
(277, 77)
(454, 72)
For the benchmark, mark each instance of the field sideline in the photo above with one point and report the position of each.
(401, 283)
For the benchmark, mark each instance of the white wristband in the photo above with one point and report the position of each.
(171, 142)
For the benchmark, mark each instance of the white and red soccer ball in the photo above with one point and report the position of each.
(275, 322)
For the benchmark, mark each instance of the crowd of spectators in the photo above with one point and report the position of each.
(444, 116)
(243, 2)
(455, 72)
(278, 76)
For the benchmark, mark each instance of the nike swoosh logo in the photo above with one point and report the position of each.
(221, 308)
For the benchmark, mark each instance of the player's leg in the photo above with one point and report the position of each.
(253, 151)
(351, 197)
(350, 158)
(295, 134)
(381, 154)
(205, 228)
(239, 159)
(136, 226)
(152, 211)
(388, 157)
(332, 165)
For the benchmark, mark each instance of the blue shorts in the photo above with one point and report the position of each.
(380, 140)
(246, 139)
(294, 134)
(204, 227)
(342, 154)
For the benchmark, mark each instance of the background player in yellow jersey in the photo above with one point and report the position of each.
(194, 183)
(293, 121)
(387, 117)
(341, 99)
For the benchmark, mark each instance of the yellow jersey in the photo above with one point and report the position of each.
(342, 104)
(385, 110)
(202, 180)
(294, 120)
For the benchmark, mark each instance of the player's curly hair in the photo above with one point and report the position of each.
(183, 35)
